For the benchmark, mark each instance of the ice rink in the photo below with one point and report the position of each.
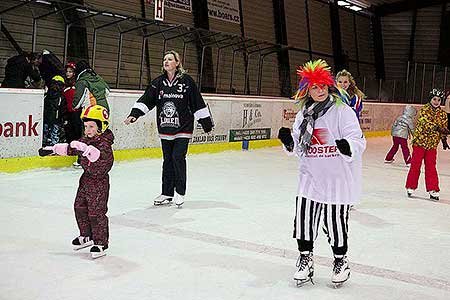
(232, 239)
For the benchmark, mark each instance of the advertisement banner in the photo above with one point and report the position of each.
(225, 10)
(141, 134)
(20, 122)
(184, 5)
(221, 115)
(250, 115)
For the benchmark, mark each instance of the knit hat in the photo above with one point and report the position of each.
(437, 93)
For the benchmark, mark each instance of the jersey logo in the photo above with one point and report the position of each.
(169, 115)
(319, 136)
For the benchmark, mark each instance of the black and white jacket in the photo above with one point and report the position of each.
(177, 103)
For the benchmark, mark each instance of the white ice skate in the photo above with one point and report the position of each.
(341, 271)
(434, 195)
(305, 270)
(409, 192)
(98, 251)
(179, 199)
(162, 199)
(82, 242)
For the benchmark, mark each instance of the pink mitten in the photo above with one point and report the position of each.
(92, 153)
(80, 146)
(60, 149)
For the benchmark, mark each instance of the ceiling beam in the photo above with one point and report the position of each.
(405, 5)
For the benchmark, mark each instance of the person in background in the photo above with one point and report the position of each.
(96, 157)
(21, 71)
(178, 102)
(90, 88)
(402, 128)
(72, 121)
(346, 81)
(329, 143)
(54, 109)
(431, 127)
(49, 66)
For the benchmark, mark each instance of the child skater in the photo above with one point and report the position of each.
(329, 143)
(96, 158)
(430, 129)
(402, 128)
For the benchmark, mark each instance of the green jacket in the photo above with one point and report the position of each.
(90, 89)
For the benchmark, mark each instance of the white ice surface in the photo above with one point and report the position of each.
(231, 240)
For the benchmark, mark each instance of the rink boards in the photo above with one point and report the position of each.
(236, 118)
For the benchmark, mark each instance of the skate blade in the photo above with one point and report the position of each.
(98, 254)
(338, 284)
(88, 244)
(179, 204)
(166, 202)
(301, 282)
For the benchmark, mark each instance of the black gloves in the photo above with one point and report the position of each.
(206, 123)
(284, 134)
(45, 152)
(343, 147)
(445, 144)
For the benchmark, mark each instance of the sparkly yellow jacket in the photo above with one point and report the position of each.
(426, 134)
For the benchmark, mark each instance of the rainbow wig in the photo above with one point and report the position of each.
(318, 72)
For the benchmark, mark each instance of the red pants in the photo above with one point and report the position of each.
(431, 175)
(398, 141)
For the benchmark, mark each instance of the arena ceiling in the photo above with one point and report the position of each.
(385, 7)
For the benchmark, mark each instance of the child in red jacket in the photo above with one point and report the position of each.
(96, 158)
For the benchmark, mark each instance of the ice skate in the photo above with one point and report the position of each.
(434, 195)
(305, 270)
(98, 251)
(409, 192)
(179, 199)
(82, 242)
(76, 165)
(162, 199)
(341, 271)
(388, 161)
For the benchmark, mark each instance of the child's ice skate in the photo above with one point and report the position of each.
(409, 192)
(341, 271)
(434, 195)
(179, 199)
(305, 270)
(162, 199)
(98, 251)
(82, 242)
(388, 161)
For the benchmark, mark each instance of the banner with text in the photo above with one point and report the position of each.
(184, 5)
(225, 10)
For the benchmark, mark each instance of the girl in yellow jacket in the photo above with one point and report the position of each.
(430, 129)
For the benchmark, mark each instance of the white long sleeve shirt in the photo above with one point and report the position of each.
(325, 174)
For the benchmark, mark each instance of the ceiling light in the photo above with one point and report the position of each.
(355, 8)
(343, 3)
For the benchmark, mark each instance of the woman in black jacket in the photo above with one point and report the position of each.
(178, 102)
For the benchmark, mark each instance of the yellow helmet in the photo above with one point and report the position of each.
(58, 78)
(96, 113)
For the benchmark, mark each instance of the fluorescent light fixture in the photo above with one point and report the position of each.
(43, 2)
(107, 14)
(355, 8)
(120, 16)
(343, 3)
(81, 10)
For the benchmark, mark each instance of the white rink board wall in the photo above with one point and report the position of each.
(236, 118)
(20, 122)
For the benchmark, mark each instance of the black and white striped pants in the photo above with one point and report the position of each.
(335, 224)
